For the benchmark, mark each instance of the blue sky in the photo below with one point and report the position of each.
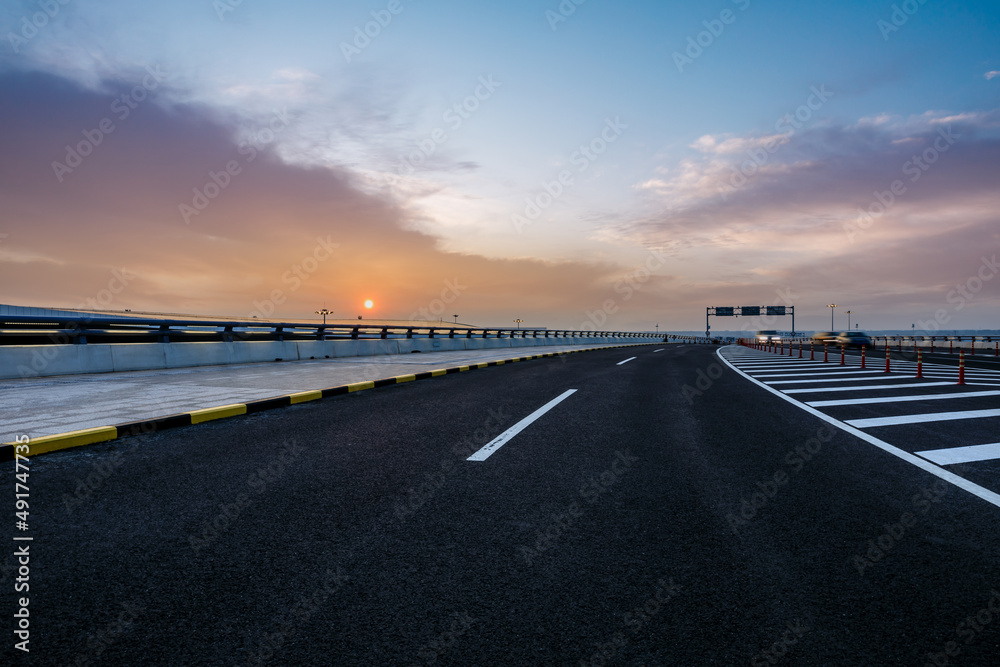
(674, 100)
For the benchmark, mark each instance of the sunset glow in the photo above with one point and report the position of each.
(622, 165)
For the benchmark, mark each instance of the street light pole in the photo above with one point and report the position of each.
(848, 318)
(519, 323)
(831, 306)
(456, 318)
(324, 313)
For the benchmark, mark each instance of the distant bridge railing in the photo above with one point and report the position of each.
(940, 344)
(33, 330)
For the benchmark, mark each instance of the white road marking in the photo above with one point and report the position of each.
(925, 465)
(881, 377)
(922, 418)
(801, 373)
(488, 449)
(902, 399)
(813, 390)
(660, 350)
(945, 457)
(625, 362)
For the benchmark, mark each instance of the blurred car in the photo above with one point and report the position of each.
(854, 339)
(825, 337)
(769, 334)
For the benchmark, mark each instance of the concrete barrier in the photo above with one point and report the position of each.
(18, 361)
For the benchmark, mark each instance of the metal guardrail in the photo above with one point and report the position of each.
(944, 344)
(32, 330)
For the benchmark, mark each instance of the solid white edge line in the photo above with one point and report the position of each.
(492, 446)
(625, 362)
(925, 465)
(969, 454)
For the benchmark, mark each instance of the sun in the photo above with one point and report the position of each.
(369, 303)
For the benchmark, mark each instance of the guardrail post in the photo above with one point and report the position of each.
(354, 333)
(164, 334)
(320, 332)
(409, 332)
(385, 333)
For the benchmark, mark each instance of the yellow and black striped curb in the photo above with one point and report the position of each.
(51, 443)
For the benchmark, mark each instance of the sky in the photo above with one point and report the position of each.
(581, 163)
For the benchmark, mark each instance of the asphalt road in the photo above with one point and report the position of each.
(670, 511)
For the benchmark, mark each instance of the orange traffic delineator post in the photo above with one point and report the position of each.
(863, 356)
(843, 346)
(886, 357)
(920, 363)
(800, 349)
(951, 347)
(961, 366)
(972, 350)
(812, 352)
(826, 350)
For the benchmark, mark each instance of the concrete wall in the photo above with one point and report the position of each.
(18, 361)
